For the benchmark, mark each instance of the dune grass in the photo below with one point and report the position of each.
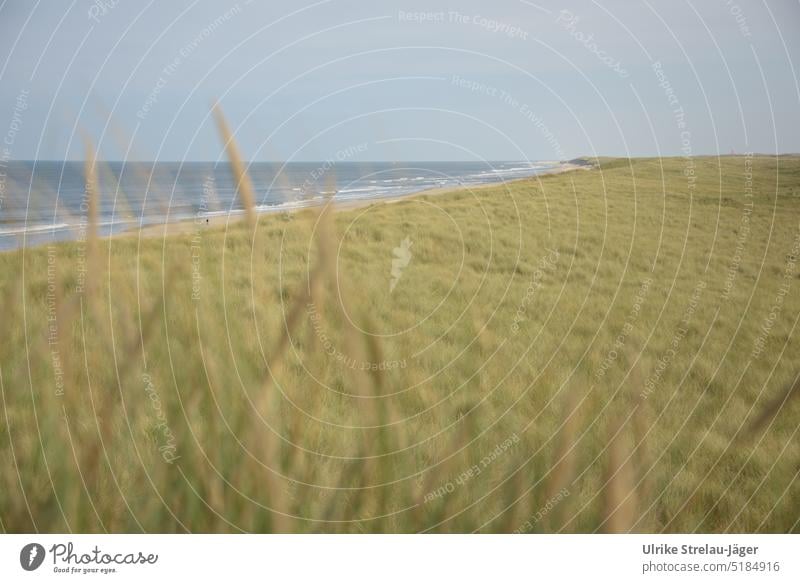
(611, 349)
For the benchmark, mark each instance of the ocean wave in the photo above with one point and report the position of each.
(35, 229)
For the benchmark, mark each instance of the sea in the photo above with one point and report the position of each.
(46, 201)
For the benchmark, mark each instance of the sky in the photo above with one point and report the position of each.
(433, 80)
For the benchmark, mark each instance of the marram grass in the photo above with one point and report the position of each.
(605, 350)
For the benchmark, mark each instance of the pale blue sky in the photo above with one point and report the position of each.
(303, 81)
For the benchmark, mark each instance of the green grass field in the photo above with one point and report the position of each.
(611, 349)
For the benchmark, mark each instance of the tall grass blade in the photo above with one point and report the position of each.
(243, 184)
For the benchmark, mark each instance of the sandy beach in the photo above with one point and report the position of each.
(190, 225)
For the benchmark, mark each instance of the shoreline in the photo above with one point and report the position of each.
(183, 226)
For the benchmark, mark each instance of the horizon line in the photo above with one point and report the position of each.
(566, 161)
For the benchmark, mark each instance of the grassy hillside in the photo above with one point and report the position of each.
(609, 349)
